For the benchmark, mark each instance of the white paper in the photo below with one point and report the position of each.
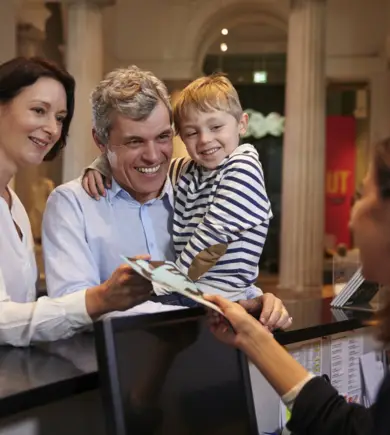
(310, 357)
(314, 358)
(372, 374)
(345, 368)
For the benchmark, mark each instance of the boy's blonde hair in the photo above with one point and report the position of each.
(207, 94)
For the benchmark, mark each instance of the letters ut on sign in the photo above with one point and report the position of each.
(337, 182)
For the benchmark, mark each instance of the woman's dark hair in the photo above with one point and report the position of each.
(21, 72)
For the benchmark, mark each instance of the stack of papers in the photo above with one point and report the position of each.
(356, 292)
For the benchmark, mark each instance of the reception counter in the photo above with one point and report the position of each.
(54, 388)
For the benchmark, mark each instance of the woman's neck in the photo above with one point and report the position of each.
(7, 171)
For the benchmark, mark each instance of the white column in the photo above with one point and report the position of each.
(8, 13)
(29, 40)
(84, 60)
(29, 44)
(304, 150)
(380, 91)
(33, 12)
(380, 106)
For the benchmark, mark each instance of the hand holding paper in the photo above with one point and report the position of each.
(168, 278)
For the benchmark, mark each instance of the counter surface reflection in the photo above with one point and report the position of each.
(45, 373)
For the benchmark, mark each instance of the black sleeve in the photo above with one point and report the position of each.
(320, 410)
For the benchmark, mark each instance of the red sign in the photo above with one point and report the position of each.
(340, 176)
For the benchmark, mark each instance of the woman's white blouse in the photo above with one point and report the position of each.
(17, 257)
(22, 320)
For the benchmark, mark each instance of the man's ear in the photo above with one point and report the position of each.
(101, 147)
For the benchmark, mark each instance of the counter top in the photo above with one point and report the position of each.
(313, 318)
(48, 372)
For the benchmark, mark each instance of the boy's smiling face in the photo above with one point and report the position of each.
(211, 136)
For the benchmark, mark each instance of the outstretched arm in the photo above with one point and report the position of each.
(317, 408)
(44, 320)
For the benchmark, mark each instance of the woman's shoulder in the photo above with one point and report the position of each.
(17, 206)
(20, 216)
(381, 408)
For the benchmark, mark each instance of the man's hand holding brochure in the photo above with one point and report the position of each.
(167, 278)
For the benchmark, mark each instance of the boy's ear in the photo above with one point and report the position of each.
(101, 147)
(243, 124)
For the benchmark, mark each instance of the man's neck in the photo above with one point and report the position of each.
(142, 198)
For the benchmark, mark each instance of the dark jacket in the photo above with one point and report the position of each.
(320, 410)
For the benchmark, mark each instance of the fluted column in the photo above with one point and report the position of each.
(302, 234)
(29, 43)
(29, 40)
(8, 16)
(380, 106)
(84, 59)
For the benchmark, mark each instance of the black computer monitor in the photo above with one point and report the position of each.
(166, 374)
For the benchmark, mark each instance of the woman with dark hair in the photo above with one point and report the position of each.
(36, 109)
(316, 406)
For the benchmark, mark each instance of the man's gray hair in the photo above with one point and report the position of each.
(131, 92)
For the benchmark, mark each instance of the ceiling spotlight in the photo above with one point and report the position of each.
(224, 31)
(224, 47)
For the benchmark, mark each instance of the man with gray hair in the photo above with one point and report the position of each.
(84, 238)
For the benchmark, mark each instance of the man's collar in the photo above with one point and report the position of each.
(115, 189)
(167, 190)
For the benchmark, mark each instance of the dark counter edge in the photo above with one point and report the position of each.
(318, 331)
(44, 395)
(86, 382)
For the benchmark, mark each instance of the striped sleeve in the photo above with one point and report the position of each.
(101, 165)
(177, 168)
(240, 204)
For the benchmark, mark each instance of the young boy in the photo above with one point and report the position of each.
(222, 211)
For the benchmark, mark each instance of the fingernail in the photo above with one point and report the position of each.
(262, 320)
(97, 198)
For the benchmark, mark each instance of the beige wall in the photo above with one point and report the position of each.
(7, 30)
(356, 27)
(167, 37)
(171, 37)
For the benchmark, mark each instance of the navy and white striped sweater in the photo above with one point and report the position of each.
(228, 205)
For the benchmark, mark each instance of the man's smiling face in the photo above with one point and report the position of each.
(140, 152)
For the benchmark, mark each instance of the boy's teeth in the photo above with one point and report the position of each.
(212, 151)
(149, 170)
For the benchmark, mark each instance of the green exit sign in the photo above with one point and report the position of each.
(260, 77)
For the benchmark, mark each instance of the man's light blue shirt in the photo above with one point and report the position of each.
(84, 238)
